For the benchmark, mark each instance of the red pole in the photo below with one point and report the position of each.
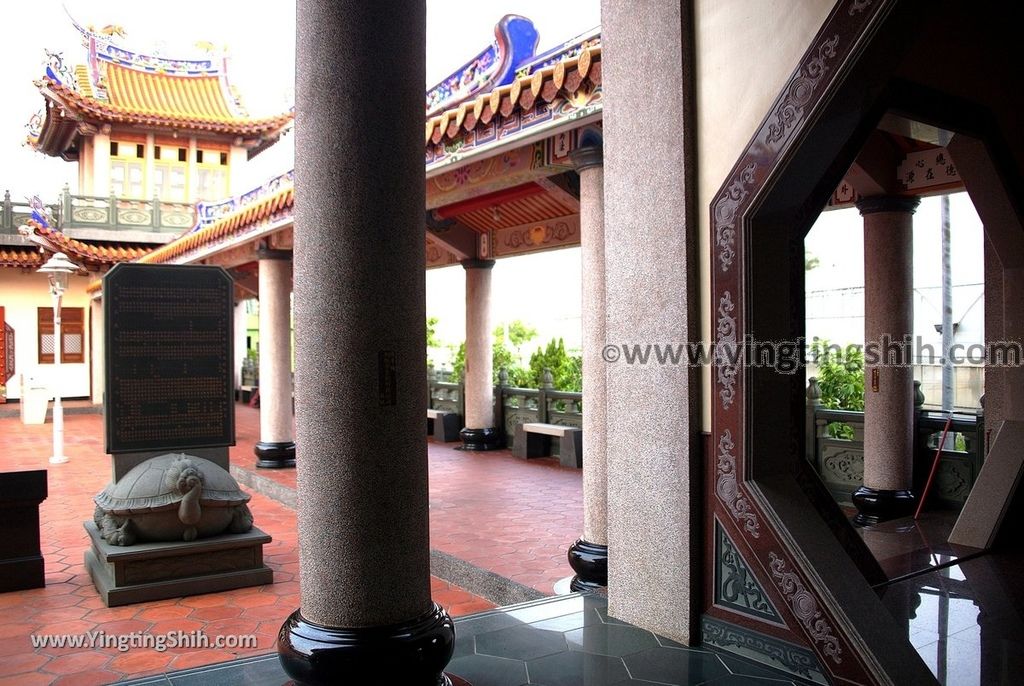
(935, 467)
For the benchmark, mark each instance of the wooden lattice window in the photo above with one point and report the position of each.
(72, 325)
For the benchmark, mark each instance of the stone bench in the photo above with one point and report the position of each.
(533, 439)
(444, 426)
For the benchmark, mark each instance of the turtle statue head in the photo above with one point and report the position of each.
(183, 475)
(173, 497)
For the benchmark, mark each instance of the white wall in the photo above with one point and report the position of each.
(736, 83)
(22, 293)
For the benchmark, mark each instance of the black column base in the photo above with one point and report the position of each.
(481, 439)
(275, 455)
(875, 505)
(413, 653)
(590, 562)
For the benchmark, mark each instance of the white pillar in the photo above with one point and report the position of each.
(588, 556)
(888, 374)
(276, 447)
(97, 351)
(479, 433)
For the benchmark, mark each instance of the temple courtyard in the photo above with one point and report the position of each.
(495, 520)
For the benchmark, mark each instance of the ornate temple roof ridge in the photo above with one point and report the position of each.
(116, 85)
(565, 77)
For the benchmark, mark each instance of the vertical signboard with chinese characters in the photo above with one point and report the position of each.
(169, 383)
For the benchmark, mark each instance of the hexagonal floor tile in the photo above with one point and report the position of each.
(675, 666)
(614, 640)
(520, 643)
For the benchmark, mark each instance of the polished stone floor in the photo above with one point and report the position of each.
(963, 608)
(565, 641)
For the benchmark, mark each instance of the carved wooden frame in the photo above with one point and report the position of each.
(745, 505)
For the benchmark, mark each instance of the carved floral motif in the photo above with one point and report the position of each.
(727, 487)
(805, 607)
(725, 215)
(726, 351)
(800, 91)
(859, 6)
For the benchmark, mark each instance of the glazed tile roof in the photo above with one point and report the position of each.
(267, 209)
(29, 258)
(564, 78)
(180, 102)
(85, 253)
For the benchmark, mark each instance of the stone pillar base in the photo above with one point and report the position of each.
(590, 562)
(275, 455)
(413, 653)
(875, 505)
(482, 439)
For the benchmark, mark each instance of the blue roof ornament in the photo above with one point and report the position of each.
(514, 44)
(41, 213)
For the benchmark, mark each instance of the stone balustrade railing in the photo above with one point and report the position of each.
(834, 446)
(108, 213)
(512, 405)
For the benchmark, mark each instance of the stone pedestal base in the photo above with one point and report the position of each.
(412, 653)
(590, 562)
(875, 505)
(275, 455)
(481, 439)
(154, 571)
(21, 562)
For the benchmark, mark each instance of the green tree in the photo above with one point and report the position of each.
(501, 358)
(518, 333)
(840, 375)
(841, 380)
(432, 340)
(566, 370)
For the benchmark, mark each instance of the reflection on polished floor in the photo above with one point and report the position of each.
(564, 641)
(962, 607)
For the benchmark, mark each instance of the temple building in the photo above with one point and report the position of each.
(153, 138)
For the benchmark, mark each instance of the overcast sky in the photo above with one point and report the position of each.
(259, 34)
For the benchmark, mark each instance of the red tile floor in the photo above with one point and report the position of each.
(503, 514)
(492, 510)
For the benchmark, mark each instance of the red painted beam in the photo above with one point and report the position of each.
(489, 200)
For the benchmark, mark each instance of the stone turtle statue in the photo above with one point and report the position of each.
(173, 497)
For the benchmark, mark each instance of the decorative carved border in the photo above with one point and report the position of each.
(762, 648)
(727, 487)
(774, 565)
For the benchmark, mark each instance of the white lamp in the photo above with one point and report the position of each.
(59, 270)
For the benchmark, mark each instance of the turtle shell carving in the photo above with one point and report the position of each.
(173, 497)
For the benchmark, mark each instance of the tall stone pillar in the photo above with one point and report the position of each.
(366, 615)
(479, 433)
(651, 259)
(276, 447)
(588, 556)
(888, 374)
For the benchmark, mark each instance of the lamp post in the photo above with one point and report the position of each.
(58, 269)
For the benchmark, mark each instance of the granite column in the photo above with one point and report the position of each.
(588, 556)
(479, 433)
(888, 374)
(276, 447)
(366, 615)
